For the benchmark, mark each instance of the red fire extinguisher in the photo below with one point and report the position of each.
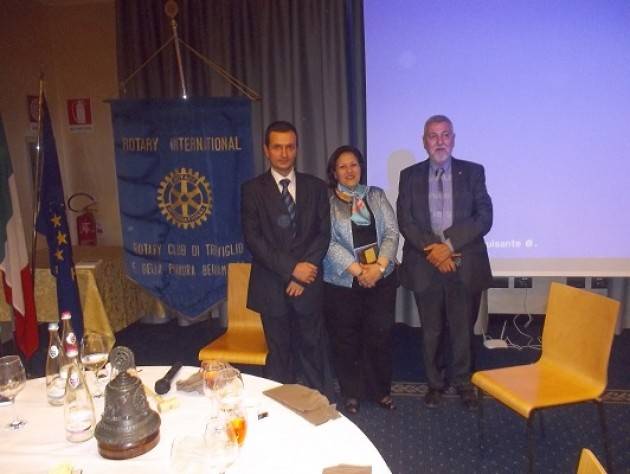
(86, 221)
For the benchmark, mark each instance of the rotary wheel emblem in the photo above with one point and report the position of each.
(185, 198)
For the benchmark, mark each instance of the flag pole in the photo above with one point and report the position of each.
(38, 177)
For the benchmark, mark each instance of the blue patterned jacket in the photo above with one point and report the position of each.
(340, 250)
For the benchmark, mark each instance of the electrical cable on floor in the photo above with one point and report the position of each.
(504, 342)
(528, 344)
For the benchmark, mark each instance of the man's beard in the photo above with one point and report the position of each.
(440, 156)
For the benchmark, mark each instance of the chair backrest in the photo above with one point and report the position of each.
(589, 464)
(578, 331)
(237, 285)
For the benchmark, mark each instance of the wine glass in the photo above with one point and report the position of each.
(227, 382)
(12, 381)
(210, 370)
(225, 388)
(94, 353)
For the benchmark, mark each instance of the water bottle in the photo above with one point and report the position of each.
(68, 336)
(56, 367)
(79, 416)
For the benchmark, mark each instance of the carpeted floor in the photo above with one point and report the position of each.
(414, 439)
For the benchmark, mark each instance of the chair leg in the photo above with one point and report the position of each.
(480, 421)
(602, 421)
(530, 442)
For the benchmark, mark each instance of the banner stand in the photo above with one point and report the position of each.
(171, 9)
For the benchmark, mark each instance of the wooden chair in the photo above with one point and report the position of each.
(589, 464)
(244, 341)
(573, 368)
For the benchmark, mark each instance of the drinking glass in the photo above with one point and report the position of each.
(211, 453)
(189, 455)
(94, 354)
(235, 417)
(222, 444)
(12, 381)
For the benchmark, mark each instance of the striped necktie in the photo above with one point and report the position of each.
(289, 202)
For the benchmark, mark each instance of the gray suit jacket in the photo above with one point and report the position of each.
(472, 219)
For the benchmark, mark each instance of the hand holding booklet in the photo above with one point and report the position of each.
(366, 254)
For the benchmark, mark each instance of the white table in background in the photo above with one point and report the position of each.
(283, 442)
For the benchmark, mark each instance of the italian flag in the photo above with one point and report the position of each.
(14, 265)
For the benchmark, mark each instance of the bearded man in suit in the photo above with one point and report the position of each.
(444, 211)
(286, 225)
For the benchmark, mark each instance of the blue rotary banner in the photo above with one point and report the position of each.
(180, 164)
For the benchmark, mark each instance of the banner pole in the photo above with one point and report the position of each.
(178, 55)
(171, 9)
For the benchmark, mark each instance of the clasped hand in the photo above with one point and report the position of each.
(305, 273)
(441, 257)
(370, 274)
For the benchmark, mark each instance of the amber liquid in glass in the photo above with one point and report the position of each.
(237, 429)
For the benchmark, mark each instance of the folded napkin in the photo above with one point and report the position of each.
(194, 383)
(347, 469)
(306, 402)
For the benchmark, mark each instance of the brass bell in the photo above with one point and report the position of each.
(129, 427)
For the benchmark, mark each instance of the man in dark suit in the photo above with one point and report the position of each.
(286, 224)
(444, 211)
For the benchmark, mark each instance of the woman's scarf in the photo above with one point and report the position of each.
(360, 213)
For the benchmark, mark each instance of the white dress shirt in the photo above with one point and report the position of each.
(291, 177)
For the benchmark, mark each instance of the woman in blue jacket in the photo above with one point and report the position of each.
(360, 282)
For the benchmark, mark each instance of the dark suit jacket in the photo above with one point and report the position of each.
(472, 219)
(267, 231)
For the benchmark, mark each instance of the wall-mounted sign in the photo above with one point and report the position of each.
(80, 114)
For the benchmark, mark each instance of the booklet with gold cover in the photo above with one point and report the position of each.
(366, 254)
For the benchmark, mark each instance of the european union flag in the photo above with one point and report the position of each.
(52, 222)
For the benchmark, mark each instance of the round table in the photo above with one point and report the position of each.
(282, 442)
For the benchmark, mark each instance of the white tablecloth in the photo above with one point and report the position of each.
(282, 442)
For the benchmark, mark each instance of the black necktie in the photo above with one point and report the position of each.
(288, 201)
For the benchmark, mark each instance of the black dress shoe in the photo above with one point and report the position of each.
(433, 397)
(352, 406)
(469, 397)
(387, 403)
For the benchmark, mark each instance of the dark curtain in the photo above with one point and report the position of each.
(306, 59)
